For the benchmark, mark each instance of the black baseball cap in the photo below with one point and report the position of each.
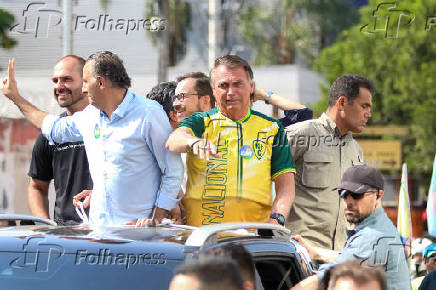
(360, 178)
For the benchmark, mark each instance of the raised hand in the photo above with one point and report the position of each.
(9, 85)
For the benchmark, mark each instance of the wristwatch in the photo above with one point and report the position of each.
(268, 97)
(279, 217)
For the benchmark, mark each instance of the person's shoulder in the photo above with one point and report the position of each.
(205, 114)
(306, 127)
(145, 106)
(138, 100)
(41, 141)
(429, 281)
(263, 116)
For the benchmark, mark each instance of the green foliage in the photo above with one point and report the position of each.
(281, 29)
(177, 25)
(105, 3)
(6, 21)
(402, 64)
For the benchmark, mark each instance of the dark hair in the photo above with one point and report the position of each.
(213, 273)
(231, 61)
(80, 61)
(239, 254)
(110, 66)
(202, 85)
(356, 271)
(163, 93)
(348, 86)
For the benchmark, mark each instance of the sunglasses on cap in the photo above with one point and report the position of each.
(343, 193)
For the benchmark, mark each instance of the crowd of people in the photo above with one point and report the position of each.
(121, 156)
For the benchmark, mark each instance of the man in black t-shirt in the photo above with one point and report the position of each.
(65, 163)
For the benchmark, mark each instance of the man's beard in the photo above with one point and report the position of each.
(355, 219)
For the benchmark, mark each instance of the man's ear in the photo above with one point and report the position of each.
(252, 88)
(247, 285)
(341, 102)
(101, 81)
(380, 194)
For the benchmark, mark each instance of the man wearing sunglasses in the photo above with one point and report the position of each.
(374, 239)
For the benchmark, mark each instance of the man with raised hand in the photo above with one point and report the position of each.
(66, 163)
(234, 155)
(124, 137)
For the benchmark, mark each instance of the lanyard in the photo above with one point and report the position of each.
(81, 213)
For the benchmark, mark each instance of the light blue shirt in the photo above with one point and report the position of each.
(131, 169)
(376, 241)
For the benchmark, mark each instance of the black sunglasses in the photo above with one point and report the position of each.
(343, 193)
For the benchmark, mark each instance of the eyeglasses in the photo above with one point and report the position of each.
(344, 193)
(431, 260)
(182, 96)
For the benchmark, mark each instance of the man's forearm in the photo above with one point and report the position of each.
(180, 141)
(32, 113)
(279, 101)
(310, 283)
(285, 194)
(38, 198)
(324, 255)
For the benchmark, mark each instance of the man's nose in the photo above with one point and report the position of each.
(59, 84)
(348, 199)
(368, 113)
(176, 102)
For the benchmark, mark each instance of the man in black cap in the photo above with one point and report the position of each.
(374, 239)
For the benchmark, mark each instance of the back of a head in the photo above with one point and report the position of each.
(163, 93)
(357, 272)
(239, 254)
(202, 85)
(108, 65)
(348, 86)
(215, 273)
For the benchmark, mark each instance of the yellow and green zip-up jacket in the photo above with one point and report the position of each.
(235, 187)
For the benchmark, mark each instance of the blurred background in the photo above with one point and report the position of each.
(297, 49)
